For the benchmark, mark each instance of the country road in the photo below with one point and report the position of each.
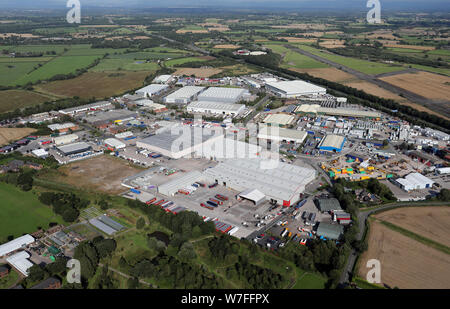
(442, 108)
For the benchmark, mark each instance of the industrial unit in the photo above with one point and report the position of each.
(114, 144)
(332, 143)
(222, 94)
(330, 231)
(87, 107)
(65, 127)
(65, 139)
(75, 148)
(16, 244)
(151, 90)
(281, 134)
(216, 108)
(282, 183)
(21, 262)
(279, 119)
(179, 142)
(316, 109)
(294, 88)
(169, 188)
(116, 116)
(414, 181)
(184, 95)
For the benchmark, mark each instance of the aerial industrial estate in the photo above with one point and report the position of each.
(274, 172)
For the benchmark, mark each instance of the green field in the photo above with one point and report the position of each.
(174, 62)
(21, 212)
(124, 64)
(367, 67)
(293, 59)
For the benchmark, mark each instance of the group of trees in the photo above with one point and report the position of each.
(38, 273)
(23, 179)
(89, 253)
(68, 205)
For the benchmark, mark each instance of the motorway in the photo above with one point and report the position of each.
(442, 108)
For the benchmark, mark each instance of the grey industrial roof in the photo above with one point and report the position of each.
(111, 115)
(282, 181)
(184, 136)
(331, 231)
(102, 226)
(333, 141)
(223, 93)
(87, 106)
(281, 133)
(216, 106)
(293, 87)
(329, 204)
(74, 147)
(108, 221)
(153, 88)
(172, 186)
(185, 92)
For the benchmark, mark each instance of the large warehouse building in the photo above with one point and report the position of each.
(184, 95)
(215, 108)
(179, 142)
(294, 88)
(65, 139)
(75, 148)
(282, 184)
(225, 95)
(86, 108)
(332, 143)
(279, 119)
(414, 181)
(169, 188)
(281, 134)
(151, 90)
(342, 112)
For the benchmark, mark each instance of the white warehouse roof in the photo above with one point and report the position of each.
(216, 107)
(280, 134)
(115, 143)
(279, 119)
(184, 93)
(282, 183)
(169, 188)
(222, 94)
(415, 181)
(152, 89)
(296, 88)
(65, 139)
(20, 262)
(16, 244)
(58, 126)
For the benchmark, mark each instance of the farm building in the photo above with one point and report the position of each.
(414, 181)
(281, 134)
(151, 90)
(279, 119)
(294, 88)
(16, 244)
(330, 231)
(114, 144)
(74, 148)
(328, 204)
(86, 108)
(169, 188)
(282, 183)
(21, 262)
(179, 142)
(184, 95)
(65, 127)
(224, 95)
(316, 109)
(216, 108)
(332, 143)
(65, 139)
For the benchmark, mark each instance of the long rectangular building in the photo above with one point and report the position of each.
(294, 89)
(282, 183)
(282, 134)
(342, 112)
(151, 90)
(216, 108)
(222, 94)
(85, 108)
(183, 95)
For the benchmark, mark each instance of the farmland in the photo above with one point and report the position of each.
(8, 135)
(12, 99)
(426, 267)
(293, 59)
(22, 212)
(94, 84)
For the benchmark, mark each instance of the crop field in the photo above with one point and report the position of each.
(405, 262)
(94, 84)
(293, 59)
(12, 99)
(22, 212)
(331, 74)
(102, 173)
(430, 222)
(428, 85)
(8, 135)
(197, 72)
(368, 67)
(118, 64)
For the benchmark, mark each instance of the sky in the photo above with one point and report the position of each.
(256, 4)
